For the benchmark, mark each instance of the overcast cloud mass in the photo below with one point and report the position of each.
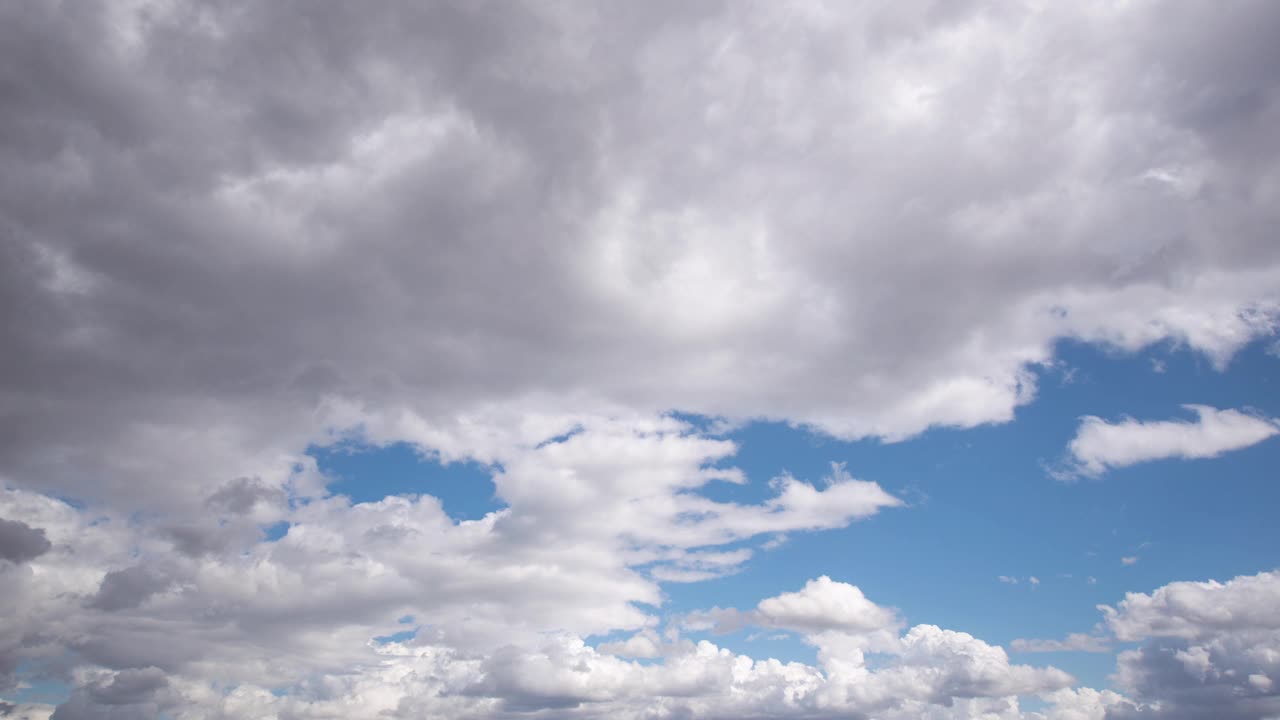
(526, 234)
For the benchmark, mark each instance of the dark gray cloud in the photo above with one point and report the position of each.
(128, 588)
(19, 542)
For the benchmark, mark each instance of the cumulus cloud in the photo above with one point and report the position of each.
(824, 604)
(19, 542)
(1208, 649)
(466, 227)
(1188, 610)
(1100, 445)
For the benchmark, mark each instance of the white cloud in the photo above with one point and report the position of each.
(644, 644)
(1075, 642)
(1100, 445)
(824, 604)
(1190, 610)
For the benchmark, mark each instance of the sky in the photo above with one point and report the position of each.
(655, 361)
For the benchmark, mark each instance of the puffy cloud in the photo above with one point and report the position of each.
(590, 522)
(925, 666)
(1099, 445)
(1210, 649)
(1080, 704)
(1191, 610)
(824, 604)
(128, 588)
(471, 227)
(19, 542)
(641, 645)
(299, 615)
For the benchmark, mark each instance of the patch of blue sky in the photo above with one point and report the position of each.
(37, 684)
(275, 531)
(396, 637)
(367, 473)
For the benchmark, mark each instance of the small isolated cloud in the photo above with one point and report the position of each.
(1008, 579)
(1130, 560)
(824, 604)
(1075, 642)
(1033, 580)
(1100, 445)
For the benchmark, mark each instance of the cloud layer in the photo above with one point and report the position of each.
(231, 230)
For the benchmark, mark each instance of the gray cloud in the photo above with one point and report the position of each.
(125, 695)
(229, 231)
(241, 495)
(19, 542)
(1208, 649)
(128, 588)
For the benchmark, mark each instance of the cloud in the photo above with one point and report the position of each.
(824, 604)
(128, 588)
(25, 711)
(1208, 648)
(279, 615)
(19, 542)
(1075, 642)
(926, 665)
(1100, 445)
(470, 227)
(1190, 609)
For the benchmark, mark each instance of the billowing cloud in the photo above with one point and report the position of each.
(469, 226)
(1190, 610)
(824, 604)
(1209, 648)
(1099, 445)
